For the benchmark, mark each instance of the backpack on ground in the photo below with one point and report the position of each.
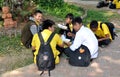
(79, 59)
(111, 29)
(112, 6)
(26, 35)
(102, 4)
(45, 58)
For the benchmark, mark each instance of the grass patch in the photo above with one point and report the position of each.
(114, 16)
(12, 54)
(61, 12)
(104, 16)
(10, 45)
(95, 15)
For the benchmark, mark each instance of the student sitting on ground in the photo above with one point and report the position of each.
(32, 27)
(115, 4)
(48, 29)
(101, 31)
(68, 33)
(37, 18)
(84, 47)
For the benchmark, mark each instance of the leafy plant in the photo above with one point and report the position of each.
(61, 12)
(1, 3)
(51, 3)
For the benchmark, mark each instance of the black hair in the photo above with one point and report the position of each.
(77, 20)
(37, 11)
(94, 24)
(70, 15)
(47, 23)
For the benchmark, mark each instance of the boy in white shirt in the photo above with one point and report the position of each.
(84, 47)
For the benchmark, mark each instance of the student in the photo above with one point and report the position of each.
(69, 33)
(37, 18)
(84, 47)
(48, 28)
(32, 27)
(102, 33)
(115, 4)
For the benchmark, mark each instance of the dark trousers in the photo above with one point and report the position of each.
(79, 59)
(104, 42)
(60, 49)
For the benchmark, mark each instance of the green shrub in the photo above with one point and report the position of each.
(51, 3)
(62, 11)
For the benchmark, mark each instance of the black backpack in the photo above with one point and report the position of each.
(26, 35)
(102, 4)
(111, 29)
(45, 58)
(80, 59)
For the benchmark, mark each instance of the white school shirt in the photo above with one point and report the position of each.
(86, 37)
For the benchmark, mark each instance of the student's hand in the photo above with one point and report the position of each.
(67, 43)
(33, 48)
(104, 38)
(100, 39)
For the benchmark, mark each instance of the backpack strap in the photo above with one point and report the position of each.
(42, 42)
(49, 73)
(30, 21)
(50, 38)
(101, 26)
(41, 73)
(41, 38)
